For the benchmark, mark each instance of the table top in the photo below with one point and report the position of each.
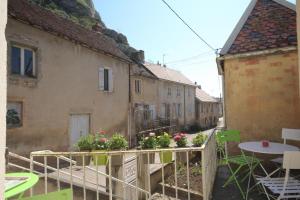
(28, 180)
(273, 148)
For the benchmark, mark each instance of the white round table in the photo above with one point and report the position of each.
(273, 148)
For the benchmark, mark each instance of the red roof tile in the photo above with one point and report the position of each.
(269, 25)
(48, 21)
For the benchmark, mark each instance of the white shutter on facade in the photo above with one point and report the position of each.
(111, 80)
(101, 78)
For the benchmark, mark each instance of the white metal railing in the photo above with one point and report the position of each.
(131, 180)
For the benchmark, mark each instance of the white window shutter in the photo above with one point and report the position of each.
(111, 80)
(101, 78)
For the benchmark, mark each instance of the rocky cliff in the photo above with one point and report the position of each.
(83, 12)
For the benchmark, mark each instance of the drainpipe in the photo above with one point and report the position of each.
(129, 104)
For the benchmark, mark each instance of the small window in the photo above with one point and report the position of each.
(178, 91)
(169, 91)
(23, 61)
(105, 79)
(137, 84)
(14, 114)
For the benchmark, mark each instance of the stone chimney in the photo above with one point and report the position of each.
(138, 56)
(98, 28)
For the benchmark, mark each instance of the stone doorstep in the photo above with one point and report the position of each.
(182, 192)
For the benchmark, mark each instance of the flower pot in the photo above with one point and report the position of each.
(100, 159)
(116, 160)
(166, 156)
(151, 158)
(79, 160)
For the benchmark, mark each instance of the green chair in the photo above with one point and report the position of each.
(241, 161)
(66, 194)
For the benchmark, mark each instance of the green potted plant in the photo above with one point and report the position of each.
(84, 144)
(164, 142)
(117, 143)
(149, 142)
(181, 142)
(198, 141)
(100, 144)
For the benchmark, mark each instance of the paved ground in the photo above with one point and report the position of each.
(231, 192)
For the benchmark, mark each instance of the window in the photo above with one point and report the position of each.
(22, 61)
(14, 114)
(105, 79)
(169, 91)
(178, 91)
(178, 110)
(137, 84)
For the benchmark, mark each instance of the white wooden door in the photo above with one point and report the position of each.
(79, 126)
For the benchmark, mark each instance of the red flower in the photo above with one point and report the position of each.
(103, 140)
(177, 138)
(103, 132)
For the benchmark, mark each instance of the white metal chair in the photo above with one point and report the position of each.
(284, 187)
(287, 134)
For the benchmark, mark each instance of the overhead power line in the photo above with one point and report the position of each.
(215, 50)
(189, 58)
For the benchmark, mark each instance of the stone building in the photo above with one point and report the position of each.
(64, 81)
(259, 65)
(206, 109)
(175, 95)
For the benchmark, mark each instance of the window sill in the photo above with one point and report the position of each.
(23, 80)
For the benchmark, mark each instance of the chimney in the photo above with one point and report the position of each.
(98, 27)
(138, 56)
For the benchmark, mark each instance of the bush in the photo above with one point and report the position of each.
(180, 139)
(149, 142)
(199, 140)
(164, 140)
(117, 142)
(85, 143)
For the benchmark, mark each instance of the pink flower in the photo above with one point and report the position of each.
(102, 132)
(103, 140)
(182, 134)
(177, 138)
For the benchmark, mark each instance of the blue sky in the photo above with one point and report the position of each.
(149, 25)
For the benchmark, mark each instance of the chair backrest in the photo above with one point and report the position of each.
(66, 194)
(291, 160)
(229, 136)
(290, 134)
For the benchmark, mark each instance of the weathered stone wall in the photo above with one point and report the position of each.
(3, 20)
(208, 114)
(67, 83)
(262, 94)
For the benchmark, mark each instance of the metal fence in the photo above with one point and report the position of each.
(132, 178)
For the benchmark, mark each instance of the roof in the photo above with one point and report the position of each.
(46, 20)
(201, 95)
(168, 74)
(264, 25)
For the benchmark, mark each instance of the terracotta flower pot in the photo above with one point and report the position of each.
(79, 160)
(100, 159)
(166, 156)
(151, 158)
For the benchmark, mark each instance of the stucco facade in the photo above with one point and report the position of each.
(261, 94)
(3, 55)
(67, 83)
(298, 35)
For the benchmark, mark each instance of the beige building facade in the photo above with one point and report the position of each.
(60, 89)
(207, 110)
(261, 79)
(3, 56)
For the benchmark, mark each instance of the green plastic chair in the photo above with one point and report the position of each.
(241, 161)
(66, 194)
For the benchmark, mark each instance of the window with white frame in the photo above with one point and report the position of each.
(105, 79)
(23, 61)
(14, 114)
(169, 91)
(137, 85)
